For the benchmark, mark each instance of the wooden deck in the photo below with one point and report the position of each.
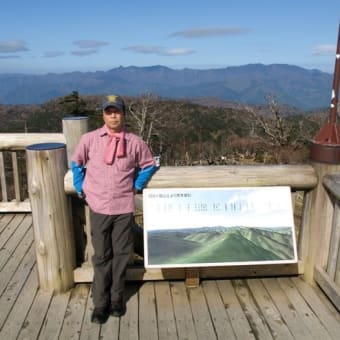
(275, 308)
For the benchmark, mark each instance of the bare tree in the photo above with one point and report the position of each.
(277, 127)
(145, 113)
(155, 119)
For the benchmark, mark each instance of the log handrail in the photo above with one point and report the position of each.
(19, 141)
(13, 143)
(298, 177)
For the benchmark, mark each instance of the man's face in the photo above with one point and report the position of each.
(113, 119)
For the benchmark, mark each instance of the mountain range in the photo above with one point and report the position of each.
(219, 244)
(248, 84)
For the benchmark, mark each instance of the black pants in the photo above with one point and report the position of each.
(112, 242)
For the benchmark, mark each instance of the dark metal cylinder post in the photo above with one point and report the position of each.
(326, 144)
(53, 233)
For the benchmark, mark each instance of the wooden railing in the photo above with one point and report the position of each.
(301, 178)
(315, 208)
(328, 276)
(14, 195)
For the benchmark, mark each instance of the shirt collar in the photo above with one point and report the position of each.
(103, 131)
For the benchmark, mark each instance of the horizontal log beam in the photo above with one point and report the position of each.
(332, 183)
(298, 177)
(85, 273)
(19, 141)
(15, 207)
(328, 285)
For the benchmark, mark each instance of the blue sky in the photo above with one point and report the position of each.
(41, 36)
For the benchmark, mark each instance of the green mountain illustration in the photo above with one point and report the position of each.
(220, 244)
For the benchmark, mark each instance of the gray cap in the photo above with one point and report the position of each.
(115, 101)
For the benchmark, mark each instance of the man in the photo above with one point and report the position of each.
(109, 165)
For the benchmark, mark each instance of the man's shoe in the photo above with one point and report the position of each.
(117, 308)
(100, 315)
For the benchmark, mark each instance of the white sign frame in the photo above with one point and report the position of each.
(200, 227)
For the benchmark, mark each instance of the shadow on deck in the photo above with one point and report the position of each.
(270, 308)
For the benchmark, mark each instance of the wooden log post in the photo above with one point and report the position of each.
(73, 129)
(53, 233)
(314, 246)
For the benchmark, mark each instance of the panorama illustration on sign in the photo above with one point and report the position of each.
(218, 226)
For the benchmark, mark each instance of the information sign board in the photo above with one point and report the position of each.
(199, 227)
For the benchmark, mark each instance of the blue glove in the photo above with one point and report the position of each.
(78, 177)
(143, 176)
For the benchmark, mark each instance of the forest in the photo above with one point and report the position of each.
(188, 132)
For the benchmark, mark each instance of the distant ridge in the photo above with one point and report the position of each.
(219, 244)
(248, 84)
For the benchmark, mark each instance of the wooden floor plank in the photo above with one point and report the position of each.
(12, 291)
(35, 318)
(234, 310)
(110, 330)
(217, 310)
(182, 310)
(147, 312)
(14, 261)
(55, 317)
(287, 310)
(18, 313)
(327, 317)
(273, 317)
(5, 220)
(129, 321)
(255, 318)
(200, 312)
(10, 229)
(7, 250)
(75, 311)
(165, 314)
(90, 330)
(306, 314)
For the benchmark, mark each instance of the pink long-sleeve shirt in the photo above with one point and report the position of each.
(109, 188)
